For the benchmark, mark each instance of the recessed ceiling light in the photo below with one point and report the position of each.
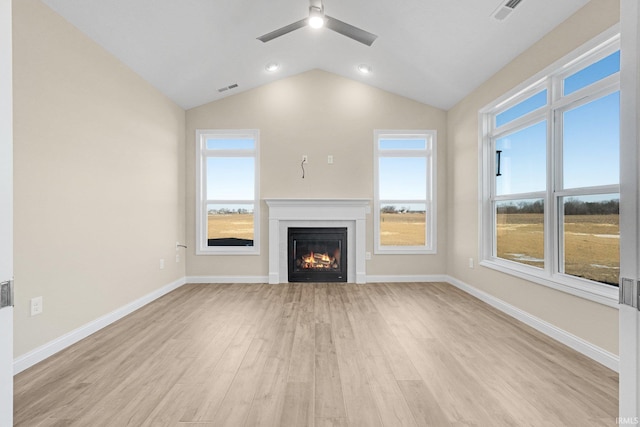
(365, 69)
(272, 67)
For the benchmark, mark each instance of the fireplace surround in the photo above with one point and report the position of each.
(317, 213)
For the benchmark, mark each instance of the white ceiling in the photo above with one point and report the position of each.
(432, 51)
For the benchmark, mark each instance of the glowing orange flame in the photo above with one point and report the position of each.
(315, 260)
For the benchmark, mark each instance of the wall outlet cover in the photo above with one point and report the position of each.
(36, 306)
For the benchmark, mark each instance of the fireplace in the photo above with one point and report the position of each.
(288, 213)
(317, 254)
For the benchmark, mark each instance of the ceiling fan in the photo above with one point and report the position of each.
(318, 19)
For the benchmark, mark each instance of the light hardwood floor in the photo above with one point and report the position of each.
(415, 354)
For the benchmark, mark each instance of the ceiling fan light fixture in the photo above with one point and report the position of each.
(316, 17)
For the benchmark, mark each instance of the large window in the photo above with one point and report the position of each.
(404, 179)
(550, 174)
(228, 200)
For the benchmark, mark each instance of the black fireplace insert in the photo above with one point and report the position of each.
(317, 254)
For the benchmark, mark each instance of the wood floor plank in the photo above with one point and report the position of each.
(423, 404)
(400, 363)
(239, 397)
(298, 408)
(301, 368)
(331, 422)
(268, 402)
(316, 355)
(329, 402)
(359, 404)
(321, 303)
(392, 407)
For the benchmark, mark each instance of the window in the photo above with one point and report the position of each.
(228, 198)
(550, 176)
(404, 177)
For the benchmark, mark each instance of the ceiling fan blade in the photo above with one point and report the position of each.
(282, 31)
(350, 31)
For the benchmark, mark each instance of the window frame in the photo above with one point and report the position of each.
(202, 154)
(551, 79)
(430, 157)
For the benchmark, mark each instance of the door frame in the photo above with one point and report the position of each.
(6, 211)
(629, 317)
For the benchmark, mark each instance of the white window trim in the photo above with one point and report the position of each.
(430, 155)
(202, 247)
(606, 43)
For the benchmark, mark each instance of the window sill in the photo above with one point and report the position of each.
(404, 251)
(227, 251)
(592, 291)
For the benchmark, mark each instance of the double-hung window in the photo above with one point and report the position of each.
(404, 202)
(227, 193)
(550, 176)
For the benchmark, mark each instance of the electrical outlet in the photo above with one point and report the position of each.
(36, 306)
(161, 263)
(367, 255)
(330, 159)
(470, 262)
(305, 159)
(177, 257)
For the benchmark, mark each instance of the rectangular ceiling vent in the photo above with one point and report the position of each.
(505, 9)
(223, 89)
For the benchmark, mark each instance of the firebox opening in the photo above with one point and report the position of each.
(317, 254)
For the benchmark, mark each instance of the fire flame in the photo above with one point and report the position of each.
(315, 260)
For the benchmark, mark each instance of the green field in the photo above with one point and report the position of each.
(591, 243)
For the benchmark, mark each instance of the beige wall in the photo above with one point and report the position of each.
(315, 113)
(593, 322)
(99, 179)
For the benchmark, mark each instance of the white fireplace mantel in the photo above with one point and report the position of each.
(349, 213)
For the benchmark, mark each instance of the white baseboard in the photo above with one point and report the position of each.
(364, 278)
(406, 278)
(594, 352)
(49, 349)
(227, 279)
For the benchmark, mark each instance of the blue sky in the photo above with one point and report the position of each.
(403, 178)
(591, 139)
(591, 150)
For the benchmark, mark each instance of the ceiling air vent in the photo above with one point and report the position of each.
(505, 9)
(223, 89)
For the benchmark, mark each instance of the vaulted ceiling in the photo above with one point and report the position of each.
(432, 51)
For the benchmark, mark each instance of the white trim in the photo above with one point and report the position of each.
(202, 153)
(349, 213)
(512, 96)
(580, 345)
(406, 278)
(593, 291)
(6, 210)
(552, 274)
(227, 279)
(629, 317)
(49, 349)
(429, 154)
